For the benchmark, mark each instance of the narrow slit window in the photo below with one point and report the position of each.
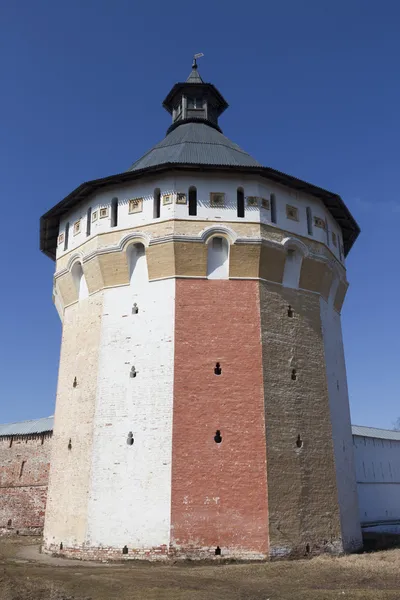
(273, 208)
(240, 202)
(88, 221)
(294, 374)
(66, 236)
(157, 204)
(22, 468)
(218, 437)
(309, 221)
(192, 201)
(114, 212)
(217, 369)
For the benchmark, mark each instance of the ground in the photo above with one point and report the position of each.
(26, 575)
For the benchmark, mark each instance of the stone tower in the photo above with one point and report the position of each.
(202, 403)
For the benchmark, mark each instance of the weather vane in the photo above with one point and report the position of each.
(195, 57)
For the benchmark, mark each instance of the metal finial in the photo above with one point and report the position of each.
(195, 57)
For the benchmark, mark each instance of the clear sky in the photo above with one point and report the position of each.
(314, 91)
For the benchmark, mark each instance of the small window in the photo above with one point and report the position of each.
(77, 227)
(273, 208)
(240, 202)
(103, 213)
(157, 204)
(95, 216)
(66, 236)
(195, 102)
(192, 201)
(88, 221)
(309, 221)
(114, 212)
(334, 238)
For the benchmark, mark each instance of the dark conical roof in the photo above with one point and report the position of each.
(195, 143)
(194, 76)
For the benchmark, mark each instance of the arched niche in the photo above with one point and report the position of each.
(138, 273)
(78, 277)
(295, 252)
(218, 258)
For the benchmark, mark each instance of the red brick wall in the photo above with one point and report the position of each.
(219, 491)
(23, 495)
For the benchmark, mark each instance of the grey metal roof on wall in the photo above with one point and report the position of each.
(195, 143)
(27, 427)
(374, 432)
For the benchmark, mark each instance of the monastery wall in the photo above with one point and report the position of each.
(24, 471)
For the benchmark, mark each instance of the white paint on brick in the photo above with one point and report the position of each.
(69, 481)
(341, 427)
(130, 489)
(378, 478)
(174, 183)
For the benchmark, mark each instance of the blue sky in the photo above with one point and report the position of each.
(314, 91)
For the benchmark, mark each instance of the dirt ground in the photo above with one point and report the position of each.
(27, 575)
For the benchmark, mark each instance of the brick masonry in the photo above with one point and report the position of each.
(24, 470)
(302, 492)
(219, 490)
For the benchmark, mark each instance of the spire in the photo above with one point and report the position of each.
(194, 76)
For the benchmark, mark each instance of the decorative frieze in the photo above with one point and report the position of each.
(292, 212)
(318, 222)
(181, 198)
(217, 199)
(265, 203)
(167, 199)
(135, 205)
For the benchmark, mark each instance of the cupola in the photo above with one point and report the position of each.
(195, 100)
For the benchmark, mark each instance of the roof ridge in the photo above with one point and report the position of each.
(371, 427)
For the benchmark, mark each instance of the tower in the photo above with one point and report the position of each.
(202, 404)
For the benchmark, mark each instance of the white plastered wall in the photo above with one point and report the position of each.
(378, 479)
(341, 425)
(130, 500)
(205, 184)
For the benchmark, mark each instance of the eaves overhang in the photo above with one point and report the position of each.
(49, 222)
